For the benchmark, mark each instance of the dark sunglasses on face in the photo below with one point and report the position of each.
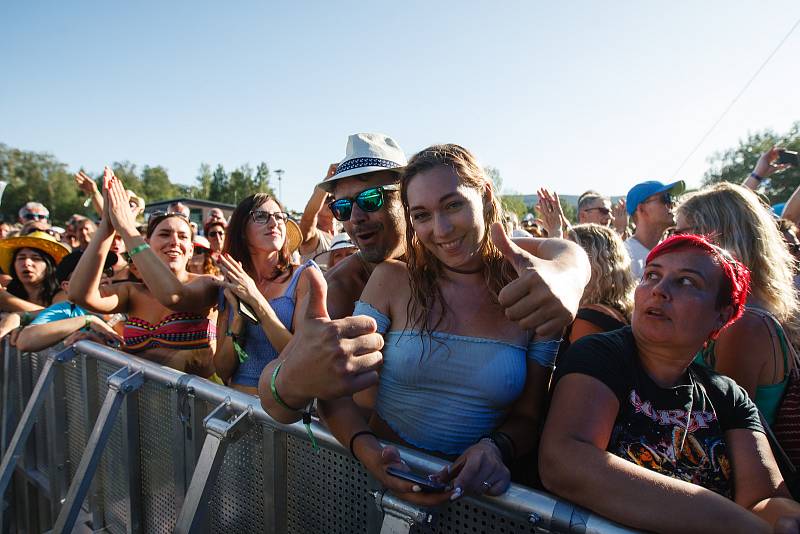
(368, 200)
(664, 198)
(263, 217)
(34, 217)
(603, 210)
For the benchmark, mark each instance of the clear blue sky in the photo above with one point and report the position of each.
(570, 95)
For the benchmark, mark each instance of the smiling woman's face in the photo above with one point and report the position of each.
(171, 240)
(676, 302)
(268, 236)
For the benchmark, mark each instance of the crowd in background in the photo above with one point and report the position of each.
(630, 363)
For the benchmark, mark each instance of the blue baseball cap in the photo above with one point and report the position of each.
(640, 192)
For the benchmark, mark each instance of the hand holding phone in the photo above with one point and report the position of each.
(247, 312)
(788, 157)
(427, 485)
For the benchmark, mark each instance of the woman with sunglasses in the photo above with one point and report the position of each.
(184, 340)
(459, 379)
(755, 351)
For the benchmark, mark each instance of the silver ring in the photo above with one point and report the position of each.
(486, 485)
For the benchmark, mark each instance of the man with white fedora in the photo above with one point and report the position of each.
(366, 193)
(333, 354)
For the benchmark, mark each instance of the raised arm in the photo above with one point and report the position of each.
(200, 293)
(765, 167)
(574, 464)
(84, 287)
(308, 222)
(86, 184)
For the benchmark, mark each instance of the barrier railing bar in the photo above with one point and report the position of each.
(518, 500)
(56, 447)
(274, 454)
(130, 450)
(120, 384)
(28, 418)
(91, 408)
(223, 427)
(7, 401)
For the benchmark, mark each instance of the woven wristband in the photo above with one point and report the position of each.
(136, 250)
(274, 389)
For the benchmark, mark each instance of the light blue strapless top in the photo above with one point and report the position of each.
(442, 392)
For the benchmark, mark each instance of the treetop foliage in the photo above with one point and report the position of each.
(735, 164)
(40, 177)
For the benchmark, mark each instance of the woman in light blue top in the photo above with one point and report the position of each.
(459, 378)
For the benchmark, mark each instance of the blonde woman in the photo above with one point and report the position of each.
(607, 301)
(754, 351)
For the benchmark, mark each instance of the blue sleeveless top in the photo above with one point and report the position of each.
(255, 343)
(442, 392)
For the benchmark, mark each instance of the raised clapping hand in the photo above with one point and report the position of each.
(544, 297)
(326, 359)
(240, 284)
(117, 204)
(619, 213)
(551, 213)
(85, 183)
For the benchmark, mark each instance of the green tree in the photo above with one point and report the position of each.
(515, 204)
(262, 179)
(204, 179)
(126, 171)
(494, 174)
(37, 176)
(218, 190)
(733, 165)
(156, 184)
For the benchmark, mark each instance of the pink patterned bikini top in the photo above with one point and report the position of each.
(177, 331)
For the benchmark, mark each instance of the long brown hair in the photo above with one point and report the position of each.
(424, 268)
(236, 242)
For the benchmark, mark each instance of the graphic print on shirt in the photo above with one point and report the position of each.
(671, 441)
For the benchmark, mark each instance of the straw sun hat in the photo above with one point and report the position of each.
(37, 240)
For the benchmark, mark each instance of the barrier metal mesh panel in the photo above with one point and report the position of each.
(76, 425)
(468, 517)
(112, 464)
(37, 361)
(157, 458)
(237, 500)
(326, 491)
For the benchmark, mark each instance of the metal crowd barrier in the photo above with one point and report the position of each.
(94, 439)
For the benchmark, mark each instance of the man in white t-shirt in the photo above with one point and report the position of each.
(649, 204)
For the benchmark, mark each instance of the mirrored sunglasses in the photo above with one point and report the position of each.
(369, 200)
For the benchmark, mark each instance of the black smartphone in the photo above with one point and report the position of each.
(787, 157)
(247, 312)
(427, 485)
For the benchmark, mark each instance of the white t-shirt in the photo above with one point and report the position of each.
(638, 254)
(323, 244)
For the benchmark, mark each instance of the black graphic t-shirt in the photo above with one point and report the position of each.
(677, 431)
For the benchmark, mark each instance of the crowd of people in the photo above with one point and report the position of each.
(629, 363)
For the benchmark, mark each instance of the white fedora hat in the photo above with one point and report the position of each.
(367, 152)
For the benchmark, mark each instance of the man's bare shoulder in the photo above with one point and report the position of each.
(346, 281)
